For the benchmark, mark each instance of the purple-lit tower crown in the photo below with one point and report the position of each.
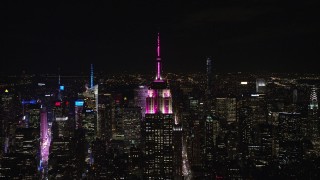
(159, 96)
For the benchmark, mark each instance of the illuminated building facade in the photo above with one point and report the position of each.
(132, 126)
(290, 126)
(105, 107)
(245, 127)
(257, 103)
(78, 108)
(64, 124)
(226, 108)
(158, 128)
(31, 115)
(290, 149)
(140, 95)
(61, 158)
(22, 163)
(211, 134)
(91, 122)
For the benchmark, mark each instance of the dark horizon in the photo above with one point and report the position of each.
(121, 36)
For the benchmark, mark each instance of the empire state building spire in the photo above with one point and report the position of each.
(159, 96)
(158, 60)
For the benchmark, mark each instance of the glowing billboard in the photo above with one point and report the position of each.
(79, 103)
(29, 102)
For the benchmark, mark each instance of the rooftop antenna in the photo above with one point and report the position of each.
(158, 60)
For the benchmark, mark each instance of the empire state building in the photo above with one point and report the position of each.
(158, 128)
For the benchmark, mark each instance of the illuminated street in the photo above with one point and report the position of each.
(187, 173)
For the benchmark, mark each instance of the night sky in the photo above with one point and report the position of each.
(117, 36)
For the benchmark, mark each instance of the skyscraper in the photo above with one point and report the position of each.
(211, 134)
(158, 128)
(226, 109)
(91, 76)
(209, 75)
(208, 91)
(78, 111)
(245, 115)
(105, 107)
(313, 114)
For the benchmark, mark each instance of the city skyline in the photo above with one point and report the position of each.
(230, 125)
(120, 36)
(160, 90)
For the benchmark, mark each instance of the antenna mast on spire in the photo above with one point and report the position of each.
(158, 60)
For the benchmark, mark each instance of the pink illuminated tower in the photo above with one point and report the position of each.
(159, 96)
(158, 127)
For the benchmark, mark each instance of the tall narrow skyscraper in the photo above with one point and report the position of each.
(158, 128)
(91, 76)
(209, 88)
(209, 75)
(313, 114)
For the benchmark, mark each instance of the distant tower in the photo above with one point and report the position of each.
(260, 86)
(61, 88)
(209, 75)
(313, 114)
(295, 96)
(91, 76)
(158, 128)
(245, 120)
(59, 77)
(313, 99)
(208, 91)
